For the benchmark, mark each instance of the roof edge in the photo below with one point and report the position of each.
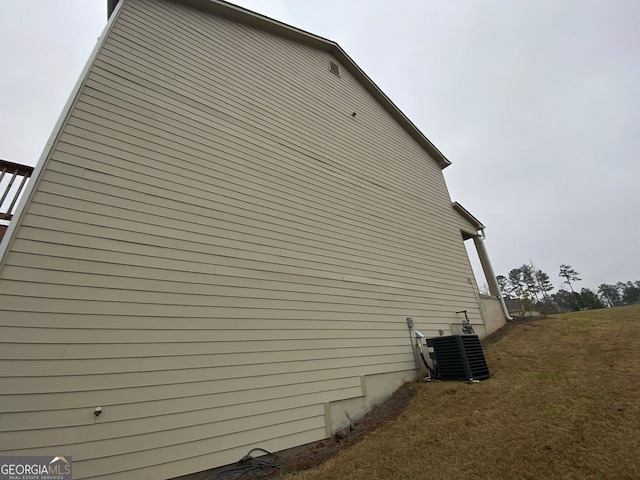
(111, 6)
(466, 214)
(262, 22)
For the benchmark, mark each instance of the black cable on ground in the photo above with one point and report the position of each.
(251, 467)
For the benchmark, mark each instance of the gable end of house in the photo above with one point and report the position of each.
(261, 22)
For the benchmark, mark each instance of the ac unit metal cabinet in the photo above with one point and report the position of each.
(459, 357)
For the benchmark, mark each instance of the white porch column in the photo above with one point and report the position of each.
(489, 274)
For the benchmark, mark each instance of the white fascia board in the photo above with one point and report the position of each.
(57, 129)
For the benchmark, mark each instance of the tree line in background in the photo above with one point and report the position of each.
(532, 288)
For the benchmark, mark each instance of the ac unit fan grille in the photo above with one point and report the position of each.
(459, 357)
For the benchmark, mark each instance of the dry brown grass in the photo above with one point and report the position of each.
(564, 402)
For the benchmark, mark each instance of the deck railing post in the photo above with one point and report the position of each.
(8, 196)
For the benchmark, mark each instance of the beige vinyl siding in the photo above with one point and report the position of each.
(215, 249)
(464, 225)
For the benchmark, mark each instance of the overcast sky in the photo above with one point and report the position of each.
(536, 103)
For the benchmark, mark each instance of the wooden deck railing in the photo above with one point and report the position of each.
(13, 178)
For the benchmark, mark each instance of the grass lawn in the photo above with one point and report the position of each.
(564, 402)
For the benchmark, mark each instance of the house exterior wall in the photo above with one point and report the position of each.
(492, 313)
(217, 253)
(464, 225)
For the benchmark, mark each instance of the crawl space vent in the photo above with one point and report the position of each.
(335, 69)
(459, 357)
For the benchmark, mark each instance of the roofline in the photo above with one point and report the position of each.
(261, 22)
(45, 156)
(466, 214)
